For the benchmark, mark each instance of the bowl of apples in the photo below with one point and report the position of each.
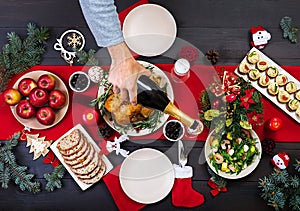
(38, 100)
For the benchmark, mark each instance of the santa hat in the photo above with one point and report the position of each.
(256, 29)
(284, 157)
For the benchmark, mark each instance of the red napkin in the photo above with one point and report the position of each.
(122, 201)
(124, 13)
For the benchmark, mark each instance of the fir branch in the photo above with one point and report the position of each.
(18, 55)
(87, 58)
(280, 189)
(289, 31)
(54, 179)
(297, 165)
(294, 202)
(10, 170)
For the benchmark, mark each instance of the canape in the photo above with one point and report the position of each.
(262, 65)
(272, 72)
(253, 57)
(283, 96)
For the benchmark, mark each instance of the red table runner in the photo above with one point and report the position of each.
(186, 97)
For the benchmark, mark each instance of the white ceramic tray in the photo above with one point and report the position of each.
(263, 90)
(53, 147)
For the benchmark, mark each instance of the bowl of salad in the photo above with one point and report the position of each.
(231, 156)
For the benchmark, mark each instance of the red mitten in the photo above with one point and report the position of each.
(183, 194)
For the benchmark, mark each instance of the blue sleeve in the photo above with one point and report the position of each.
(103, 21)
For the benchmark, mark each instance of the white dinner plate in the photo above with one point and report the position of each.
(165, 81)
(149, 30)
(244, 172)
(147, 176)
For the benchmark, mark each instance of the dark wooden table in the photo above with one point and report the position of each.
(207, 24)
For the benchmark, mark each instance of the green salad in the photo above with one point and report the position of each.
(232, 155)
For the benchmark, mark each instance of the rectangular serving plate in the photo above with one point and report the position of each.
(263, 90)
(53, 147)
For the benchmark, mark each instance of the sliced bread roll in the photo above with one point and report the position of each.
(88, 168)
(69, 141)
(76, 155)
(93, 173)
(98, 176)
(87, 160)
(79, 157)
(76, 148)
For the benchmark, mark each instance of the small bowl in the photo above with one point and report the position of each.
(79, 81)
(181, 132)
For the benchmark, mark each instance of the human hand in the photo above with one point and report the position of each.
(124, 72)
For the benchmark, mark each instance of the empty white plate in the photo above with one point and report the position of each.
(147, 176)
(149, 30)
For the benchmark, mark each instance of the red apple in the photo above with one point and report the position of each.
(38, 97)
(90, 116)
(12, 96)
(46, 81)
(57, 99)
(45, 115)
(25, 110)
(26, 85)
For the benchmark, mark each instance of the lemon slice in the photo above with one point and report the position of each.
(210, 114)
(246, 125)
(228, 122)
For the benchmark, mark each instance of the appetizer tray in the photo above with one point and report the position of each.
(264, 90)
(54, 148)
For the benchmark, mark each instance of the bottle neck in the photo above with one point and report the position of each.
(172, 110)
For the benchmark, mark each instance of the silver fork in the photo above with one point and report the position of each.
(182, 156)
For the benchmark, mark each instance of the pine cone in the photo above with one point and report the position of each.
(212, 56)
(104, 131)
(268, 145)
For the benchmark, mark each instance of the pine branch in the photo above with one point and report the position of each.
(289, 31)
(297, 165)
(18, 55)
(87, 58)
(10, 170)
(54, 179)
(280, 189)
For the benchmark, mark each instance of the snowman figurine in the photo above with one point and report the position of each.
(260, 37)
(281, 160)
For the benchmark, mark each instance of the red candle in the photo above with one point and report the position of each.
(275, 123)
(90, 116)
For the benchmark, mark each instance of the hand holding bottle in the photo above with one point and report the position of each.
(124, 72)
